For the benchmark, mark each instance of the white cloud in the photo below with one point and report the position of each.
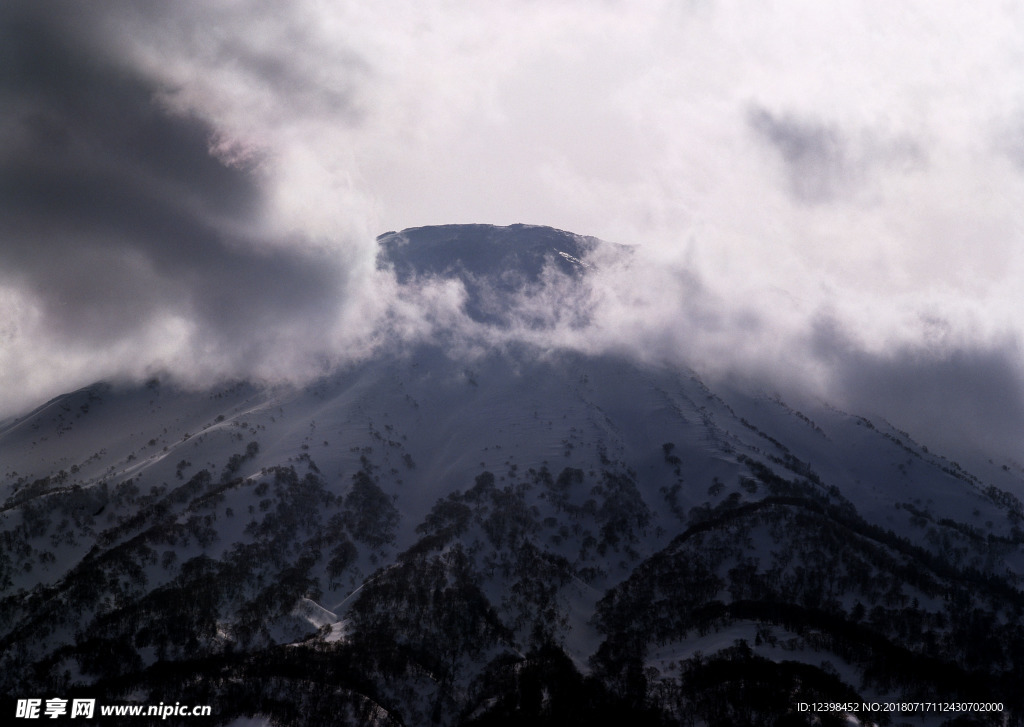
(778, 165)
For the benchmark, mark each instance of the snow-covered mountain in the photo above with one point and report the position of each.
(521, 537)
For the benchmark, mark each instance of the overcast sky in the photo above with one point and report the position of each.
(826, 194)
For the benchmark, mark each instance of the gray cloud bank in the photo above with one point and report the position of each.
(126, 242)
(195, 188)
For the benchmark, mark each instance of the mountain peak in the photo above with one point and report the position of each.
(494, 263)
(482, 250)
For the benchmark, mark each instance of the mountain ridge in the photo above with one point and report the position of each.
(473, 533)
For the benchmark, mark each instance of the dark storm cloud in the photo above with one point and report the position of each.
(957, 398)
(113, 211)
(275, 46)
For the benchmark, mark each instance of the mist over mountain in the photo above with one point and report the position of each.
(822, 200)
(497, 267)
(470, 525)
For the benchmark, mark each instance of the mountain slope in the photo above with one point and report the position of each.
(517, 537)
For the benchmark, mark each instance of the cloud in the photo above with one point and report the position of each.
(197, 187)
(127, 243)
(816, 158)
(821, 163)
(958, 399)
